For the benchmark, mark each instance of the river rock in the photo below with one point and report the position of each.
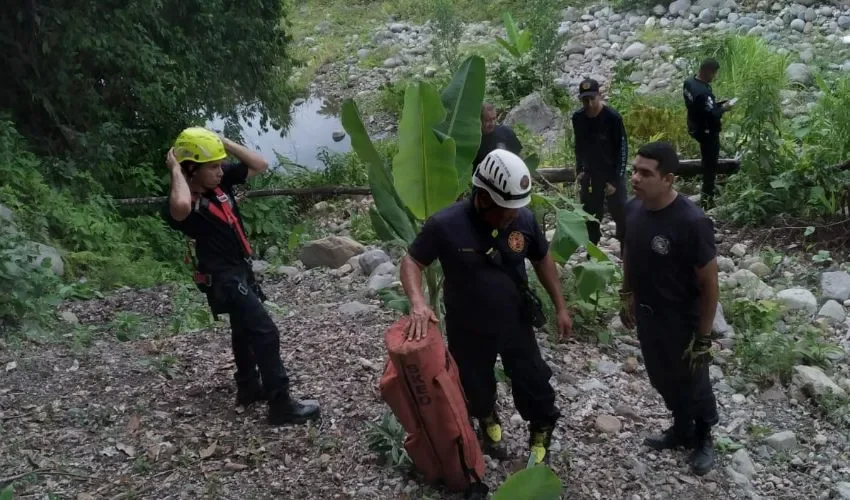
(782, 441)
(725, 264)
(815, 382)
(799, 73)
(760, 269)
(380, 281)
(535, 114)
(385, 268)
(355, 308)
(608, 424)
(743, 464)
(798, 25)
(332, 252)
(370, 260)
(798, 299)
(738, 250)
(6, 214)
(833, 312)
(720, 326)
(844, 22)
(634, 51)
(835, 285)
(843, 490)
(754, 287)
(338, 135)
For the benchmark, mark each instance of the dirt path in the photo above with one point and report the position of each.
(155, 418)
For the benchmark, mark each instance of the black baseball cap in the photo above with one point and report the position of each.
(588, 88)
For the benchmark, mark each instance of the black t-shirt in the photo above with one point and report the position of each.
(502, 137)
(601, 145)
(663, 250)
(704, 112)
(216, 244)
(478, 295)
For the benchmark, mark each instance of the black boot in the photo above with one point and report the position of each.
(283, 409)
(539, 439)
(702, 459)
(680, 434)
(250, 393)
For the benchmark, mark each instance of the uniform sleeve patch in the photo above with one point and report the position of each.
(516, 241)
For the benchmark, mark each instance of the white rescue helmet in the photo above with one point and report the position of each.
(506, 177)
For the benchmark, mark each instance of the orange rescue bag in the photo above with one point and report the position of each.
(421, 385)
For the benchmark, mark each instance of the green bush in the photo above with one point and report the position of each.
(29, 295)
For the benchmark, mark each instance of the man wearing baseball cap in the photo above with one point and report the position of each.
(601, 150)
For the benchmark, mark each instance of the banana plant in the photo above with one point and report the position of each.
(519, 41)
(439, 135)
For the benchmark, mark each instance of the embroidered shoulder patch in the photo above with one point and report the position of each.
(516, 241)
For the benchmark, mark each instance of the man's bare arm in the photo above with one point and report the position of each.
(255, 163)
(411, 280)
(180, 198)
(709, 292)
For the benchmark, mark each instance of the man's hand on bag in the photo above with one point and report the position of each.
(627, 309)
(420, 318)
(609, 189)
(701, 351)
(565, 324)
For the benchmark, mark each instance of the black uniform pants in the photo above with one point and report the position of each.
(255, 339)
(709, 150)
(593, 199)
(475, 354)
(664, 337)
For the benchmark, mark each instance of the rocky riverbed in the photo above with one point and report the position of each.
(815, 35)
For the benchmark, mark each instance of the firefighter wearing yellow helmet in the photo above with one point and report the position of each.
(203, 207)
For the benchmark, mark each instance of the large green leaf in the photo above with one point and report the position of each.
(386, 198)
(592, 277)
(424, 170)
(534, 483)
(570, 233)
(462, 100)
(382, 229)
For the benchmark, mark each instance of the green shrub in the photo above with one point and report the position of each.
(29, 294)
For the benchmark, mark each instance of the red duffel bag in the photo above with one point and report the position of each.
(421, 385)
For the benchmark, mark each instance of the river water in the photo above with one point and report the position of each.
(313, 123)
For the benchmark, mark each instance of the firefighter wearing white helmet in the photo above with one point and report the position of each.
(505, 177)
(482, 243)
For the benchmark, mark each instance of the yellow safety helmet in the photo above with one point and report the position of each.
(199, 145)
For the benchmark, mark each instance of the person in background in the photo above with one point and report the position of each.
(601, 150)
(482, 243)
(202, 206)
(495, 136)
(670, 292)
(704, 123)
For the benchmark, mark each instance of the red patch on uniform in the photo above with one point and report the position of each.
(516, 241)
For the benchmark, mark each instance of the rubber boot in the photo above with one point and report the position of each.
(249, 393)
(490, 429)
(283, 409)
(702, 460)
(540, 437)
(681, 434)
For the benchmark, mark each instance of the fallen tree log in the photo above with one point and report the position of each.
(690, 168)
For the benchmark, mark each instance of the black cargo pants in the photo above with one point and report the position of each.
(475, 354)
(255, 339)
(593, 199)
(709, 150)
(665, 334)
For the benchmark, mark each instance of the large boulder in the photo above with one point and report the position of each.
(46, 252)
(798, 299)
(835, 285)
(815, 382)
(332, 252)
(533, 113)
(371, 259)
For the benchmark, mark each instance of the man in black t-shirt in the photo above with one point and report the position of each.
(670, 292)
(704, 122)
(494, 136)
(601, 150)
(202, 206)
(482, 243)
